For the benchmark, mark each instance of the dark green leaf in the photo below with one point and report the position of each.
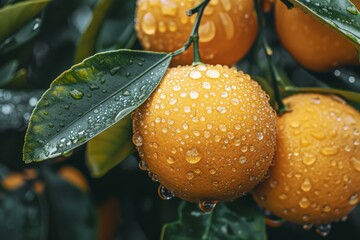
(90, 97)
(22, 214)
(87, 42)
(13, 17)
(342, 15)
(71, 211)
(110, 147)
(7, 72)
(26, 33)
(239, 220)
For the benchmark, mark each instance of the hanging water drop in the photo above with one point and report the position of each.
(165, 193)
(323, 230)
(142, 166)
(207, 206)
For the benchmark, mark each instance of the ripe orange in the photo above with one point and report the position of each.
(316, 176)
(227, 30)
(313, 44)
(75, 177)
(207, 133)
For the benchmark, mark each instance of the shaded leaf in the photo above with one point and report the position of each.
(110, 147)
(87, 43)
(72, 215)
(22, 214)
(7, 72)
(26, 33)
(341, 15)
(90, 97)
(239, 220)
(14, 16)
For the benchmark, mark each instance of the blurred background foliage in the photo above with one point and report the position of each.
(58, 199)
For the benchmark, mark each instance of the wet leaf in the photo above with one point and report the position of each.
(14, 16)
(239, 220)
(110, 147)
(342, 15)
(90, 97)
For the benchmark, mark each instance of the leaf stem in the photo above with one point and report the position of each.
(275, 76)
(194, 36)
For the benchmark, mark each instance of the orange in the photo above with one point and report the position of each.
(313, 44)
(316, 176)
(227, 30)
(207, 133)
(75, 177)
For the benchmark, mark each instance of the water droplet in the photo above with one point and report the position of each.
(207, 206)
(190, 175)
(212, 171)
(76, 94)
(206, 85)
(51, 125)
(355, 163)
(323, 230)
(295, 124)
(195, 74)
(114, 70)
(137, 140)
(142, 166)
(354, 199)
(309, 160)
(242, 159)
(273, 183)
(193, 156)
(307, 227)
(168, 7)
(304, 202)
(259, 135)
(194, 95)
(207, 31)
(170, 160)
(93, 87)
(352, 10)
(306, 185)
(148, 23)
(329, 151)
(212, 73)
(164, 193)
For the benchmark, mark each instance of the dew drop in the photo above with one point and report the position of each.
(76, 94)
(148, 24)
(304, 202)
(309, 160)
(307, 227)
(206, 85)
(354, 199)
(355, 163)
(207, 206)
(212, 73)
(212, 171)
(165, 193)
(195, 74)
(306, 185)
(194, 95)
(352, 10)
(193, 156)
(329, 151)
(142, 166)
(114, 70)
(259, 135)
(323, 230)
(242, 159)
(190, 175)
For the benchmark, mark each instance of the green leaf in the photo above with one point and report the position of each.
(13, 17)
(110, 147)
(90, 97)
(342, 15)
(239, 220)
(348, 95)
(71, 211)
(87, 43)
(7, 72)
